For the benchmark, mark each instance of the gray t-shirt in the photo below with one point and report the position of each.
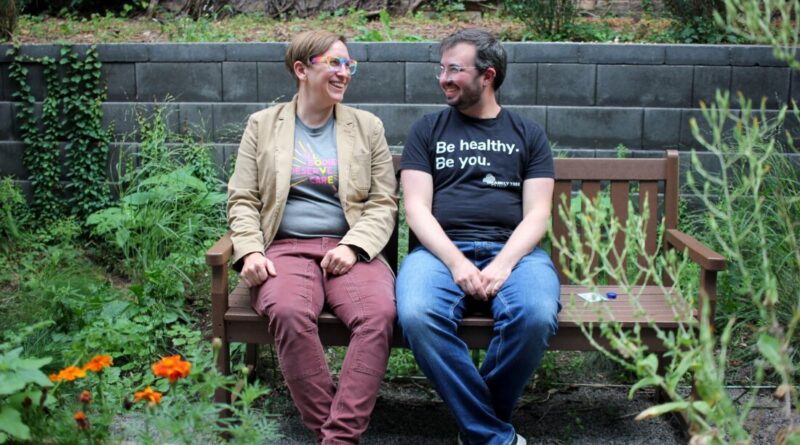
(313, 209)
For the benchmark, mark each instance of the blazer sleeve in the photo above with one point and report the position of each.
(376, 223)
(244, 198)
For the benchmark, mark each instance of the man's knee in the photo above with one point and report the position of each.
(290, 317)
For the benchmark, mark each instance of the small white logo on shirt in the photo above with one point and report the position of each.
(491, 181)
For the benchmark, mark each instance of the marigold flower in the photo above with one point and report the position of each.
(97, 363)
(85, 397)
(81, 420)
(154, 397)
(69, 373)
(172, 367)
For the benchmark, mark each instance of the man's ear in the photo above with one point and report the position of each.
(489, 76)
(300, 70)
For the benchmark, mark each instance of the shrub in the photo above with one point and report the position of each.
(8, 18)
(544, 18)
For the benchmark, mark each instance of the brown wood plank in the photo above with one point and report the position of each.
(648, 192)
(610, 169)
(590, 189)
(562, 188)
(620, 196)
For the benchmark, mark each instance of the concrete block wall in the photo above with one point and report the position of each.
(589, 97)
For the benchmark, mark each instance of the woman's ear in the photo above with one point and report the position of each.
(300, 70)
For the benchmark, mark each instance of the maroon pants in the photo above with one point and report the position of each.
(363, 299)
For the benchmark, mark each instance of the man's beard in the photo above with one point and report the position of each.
(469, 96)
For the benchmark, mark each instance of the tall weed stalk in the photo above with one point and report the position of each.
(751, 215)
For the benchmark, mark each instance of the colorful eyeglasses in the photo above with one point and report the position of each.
(337, 63)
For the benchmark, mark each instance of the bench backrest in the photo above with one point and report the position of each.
(654, 180)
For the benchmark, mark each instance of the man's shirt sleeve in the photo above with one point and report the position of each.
(416, 155)
(540, 158)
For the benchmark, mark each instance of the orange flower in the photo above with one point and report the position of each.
(97, 363)
(154, 397)
(81, 420)
(69, 373)
(172, 368)
(85, 397)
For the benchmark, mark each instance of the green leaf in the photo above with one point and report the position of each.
(662, 409)
(643, 383)
(11, 423)
(770, 349)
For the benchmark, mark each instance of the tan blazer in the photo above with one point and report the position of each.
(259, 187)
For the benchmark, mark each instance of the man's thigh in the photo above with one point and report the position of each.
(533, 286)
(425, 285)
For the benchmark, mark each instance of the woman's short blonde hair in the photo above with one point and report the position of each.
(308, 44)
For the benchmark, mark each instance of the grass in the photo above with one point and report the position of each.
(354, 25)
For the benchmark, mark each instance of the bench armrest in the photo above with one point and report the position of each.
(698, 252)
(220, 253)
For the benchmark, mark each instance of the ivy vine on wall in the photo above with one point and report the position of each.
(71, 117)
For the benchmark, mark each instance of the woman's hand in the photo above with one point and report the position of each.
(339, 260)
(257, 269)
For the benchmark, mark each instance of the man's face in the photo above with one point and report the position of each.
(459, 78)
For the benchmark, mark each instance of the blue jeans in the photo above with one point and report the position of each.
(430, 306)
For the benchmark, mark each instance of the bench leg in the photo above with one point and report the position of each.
(222, 395)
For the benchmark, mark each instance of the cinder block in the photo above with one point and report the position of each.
(230, 150)
(754, 55)
(435, 55)
(545, 52)
(378, 82)
(358, 51)
(594, 127)
(421, 83)
(6, 122)
(240, 81)
(397, 119)
(794, 87)
(35, 80)
(38, 51)
(645, 86)
(564, 152)
(230, 120)
(687, 138)
(255, 52)
(758, 82)
(519, 87)
(5, 83)
(123, 52)
(707, 80)
(537, 114)
(187, 52)
(185, 82)
(197, 120)
(398, 52)
(4, 56)
(614, 53)
(697, 55)
(120, 81)
(662, 128)
(566, 84)
(11, 162)
(275, 84)
(124, 117)
(687, 166)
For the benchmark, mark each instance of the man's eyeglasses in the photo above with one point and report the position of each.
(336, 63)
(451, 71)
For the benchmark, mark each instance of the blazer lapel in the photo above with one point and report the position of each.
(345, 138)
(284, 149)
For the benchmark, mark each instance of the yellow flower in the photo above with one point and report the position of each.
(154, 397)
(97, 363)
(172, 367)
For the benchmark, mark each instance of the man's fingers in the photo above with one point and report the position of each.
(325, 261)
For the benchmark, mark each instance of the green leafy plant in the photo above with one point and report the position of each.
(22, 383)
(544, 18)
(12, 214)
(773, 22)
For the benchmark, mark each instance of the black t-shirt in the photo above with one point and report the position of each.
(478, 166)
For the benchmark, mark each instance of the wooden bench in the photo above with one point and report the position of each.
(235, 321)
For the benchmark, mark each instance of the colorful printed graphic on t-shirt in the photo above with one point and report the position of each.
(308, 166)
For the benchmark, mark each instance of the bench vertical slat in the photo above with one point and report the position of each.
(591, 189)
(562, 188)
(671, 195)
(648, 193)
(620, 196)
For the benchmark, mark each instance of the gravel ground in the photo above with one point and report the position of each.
(412, 414)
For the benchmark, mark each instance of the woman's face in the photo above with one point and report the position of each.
(325, 85)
